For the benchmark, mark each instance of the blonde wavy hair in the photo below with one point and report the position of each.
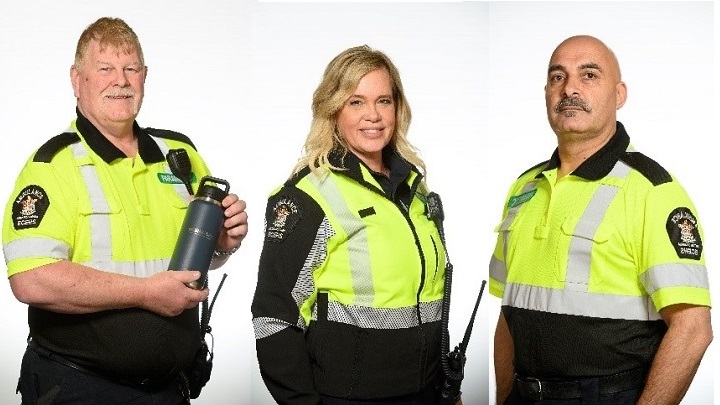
(112, 32)
(339, 81)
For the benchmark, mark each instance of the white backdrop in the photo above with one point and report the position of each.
(238, 76)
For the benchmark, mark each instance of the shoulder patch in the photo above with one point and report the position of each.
(533, 168)
(649, 168)
(54, 145)
(168, 134)
(29, 207)
(285, 216)
(682, 228)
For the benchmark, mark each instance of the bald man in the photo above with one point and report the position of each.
(599, 258)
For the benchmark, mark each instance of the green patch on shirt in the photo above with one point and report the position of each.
(516, 200)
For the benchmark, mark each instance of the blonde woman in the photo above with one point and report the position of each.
(347, 308)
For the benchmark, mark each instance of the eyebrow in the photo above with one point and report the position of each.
(591, 65)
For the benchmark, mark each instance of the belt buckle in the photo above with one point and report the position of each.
(540, 387)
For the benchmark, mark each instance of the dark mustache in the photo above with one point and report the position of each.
(572, 102)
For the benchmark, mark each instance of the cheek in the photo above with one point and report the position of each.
(346, 122)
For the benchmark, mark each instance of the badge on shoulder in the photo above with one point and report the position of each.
(29, 207)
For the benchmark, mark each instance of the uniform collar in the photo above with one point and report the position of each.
(399, 168)
(601, 162)
(147, 148)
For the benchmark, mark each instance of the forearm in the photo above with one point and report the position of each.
(503, 360)
(68, 287)
(678, 358)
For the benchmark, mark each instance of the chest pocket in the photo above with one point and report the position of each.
(585, 237)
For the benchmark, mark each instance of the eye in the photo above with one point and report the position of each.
(385, 101)
(105, 69)
(355, 103)
(590, 75)
(556, 77)
(131, 69)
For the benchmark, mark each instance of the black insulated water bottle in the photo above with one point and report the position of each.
(200, 230)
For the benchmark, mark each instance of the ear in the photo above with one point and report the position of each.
(75, 80)
(621, 95)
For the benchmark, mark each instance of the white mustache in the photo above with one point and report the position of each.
(120, 93)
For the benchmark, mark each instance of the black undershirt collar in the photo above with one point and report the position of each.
(147, 148)
(601, 162)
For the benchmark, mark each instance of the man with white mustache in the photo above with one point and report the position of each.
(88, 235)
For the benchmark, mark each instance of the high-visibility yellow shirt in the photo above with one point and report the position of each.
(616, 240)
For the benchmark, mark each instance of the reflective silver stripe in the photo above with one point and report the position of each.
(580, 303)
(136, 268)
(675, 275)
(100, 234)
(179, 187)
(305, 284)
(384, 318)
(579, 255)
(265, 327)
(358, 248)
(498, 271)
(28, 248)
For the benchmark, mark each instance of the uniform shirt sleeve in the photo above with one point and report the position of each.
(41, 215)
(284, 294)
(672, 259)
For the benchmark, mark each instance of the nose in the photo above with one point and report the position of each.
(371, 113)
(570, 87)
(121, 78)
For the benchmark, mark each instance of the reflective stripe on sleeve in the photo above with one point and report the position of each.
(675, 275)
(28, 248)
(265, 327)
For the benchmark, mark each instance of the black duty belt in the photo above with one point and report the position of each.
(146, 384)
(539, 389)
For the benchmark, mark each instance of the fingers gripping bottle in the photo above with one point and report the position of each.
(200, 230)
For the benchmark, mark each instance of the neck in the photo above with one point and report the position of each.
(574, 149)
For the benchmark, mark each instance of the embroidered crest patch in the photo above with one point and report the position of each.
(29, 207)
(682, 228)
(285, 217)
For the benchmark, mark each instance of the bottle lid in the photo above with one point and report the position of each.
(211, 191)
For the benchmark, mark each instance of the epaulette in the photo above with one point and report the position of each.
(46, 152)
(293, 180)
(167, 134)
(533, 168)
(649, 168)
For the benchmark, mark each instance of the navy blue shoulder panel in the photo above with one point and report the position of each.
(649, 168)
(46, 152)
(533, 168)
(167, 134)
(295, 178)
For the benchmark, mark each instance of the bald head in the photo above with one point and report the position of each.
(584, 89)
(592, 46)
